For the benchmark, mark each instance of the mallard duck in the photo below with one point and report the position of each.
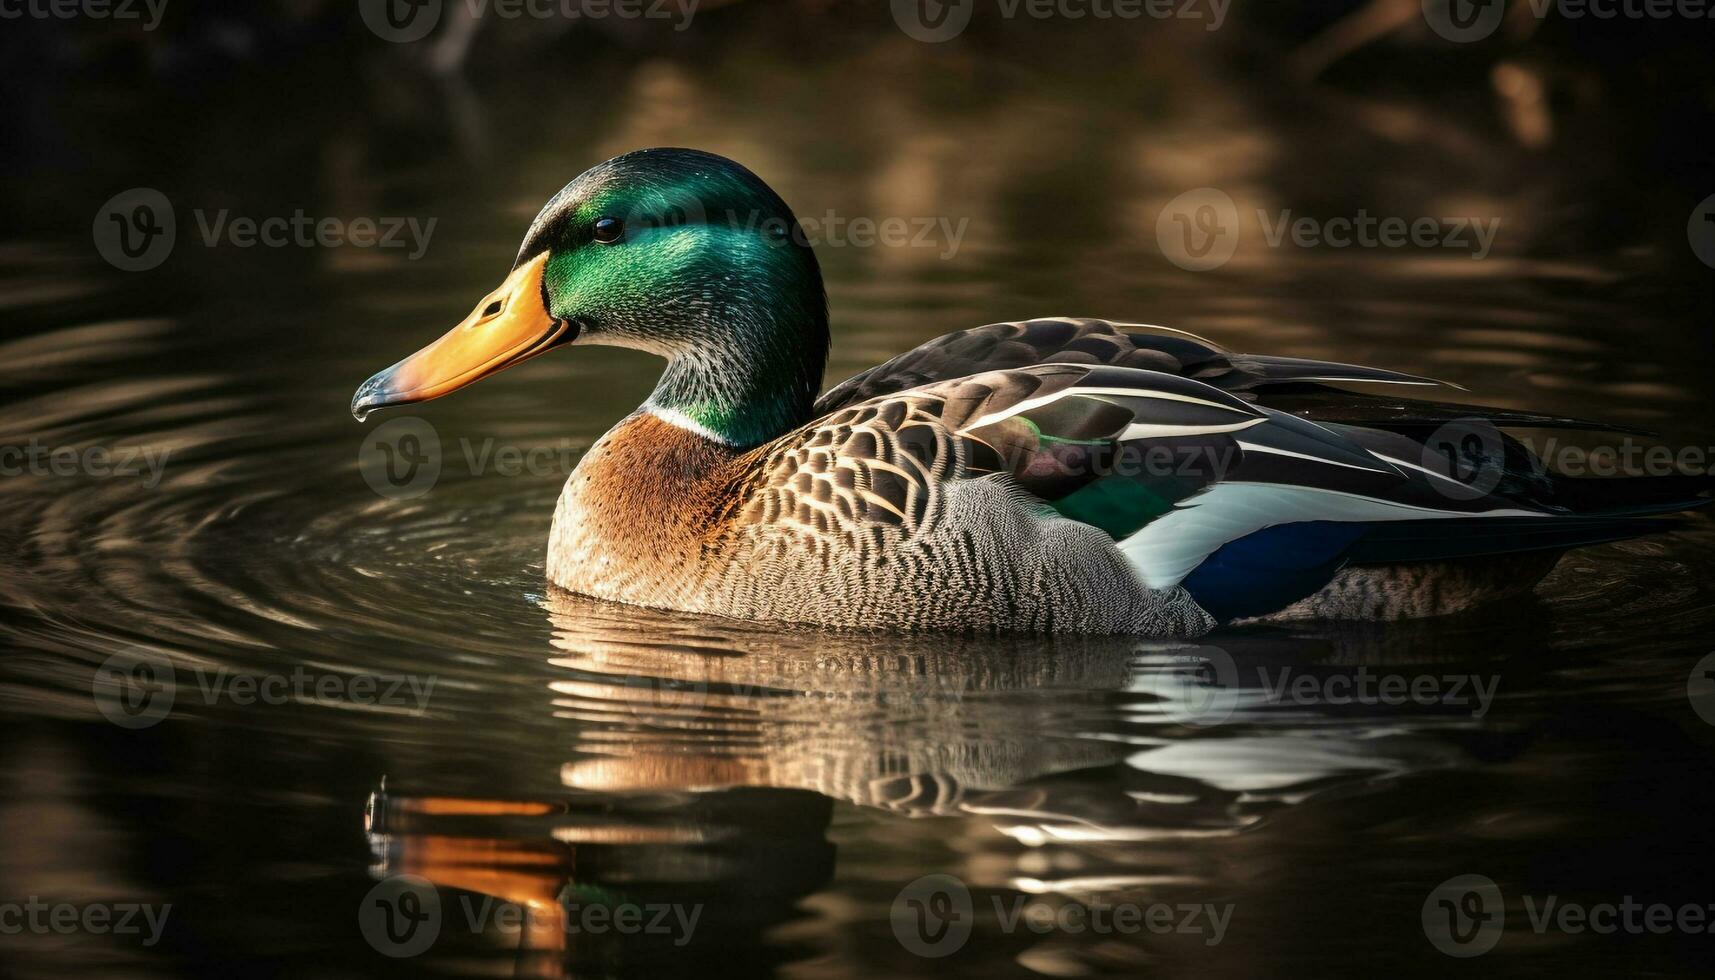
(1048, 475)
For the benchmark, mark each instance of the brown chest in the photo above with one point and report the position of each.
(634, 516)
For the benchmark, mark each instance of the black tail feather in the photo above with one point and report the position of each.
(1634, 495)
(1410, 415)
(1438, 540)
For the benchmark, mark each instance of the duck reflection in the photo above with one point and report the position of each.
(703, 759)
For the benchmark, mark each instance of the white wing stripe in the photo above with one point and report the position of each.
(1183, 333)
(1253, 447)
(1168, 548)
(1424, 470)
(1142, 430)
(1373, 381)
(1030, 403)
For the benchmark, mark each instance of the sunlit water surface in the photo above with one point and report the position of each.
(786, 785)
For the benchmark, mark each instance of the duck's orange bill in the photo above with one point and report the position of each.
(509, 325)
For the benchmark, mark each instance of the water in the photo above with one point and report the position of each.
(428, 706)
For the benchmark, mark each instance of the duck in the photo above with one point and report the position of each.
(1050, 475)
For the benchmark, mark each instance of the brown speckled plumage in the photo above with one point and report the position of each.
(1422, 589)
(871, 516)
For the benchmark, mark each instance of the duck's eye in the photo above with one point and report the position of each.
(608, 230)
(491, 309)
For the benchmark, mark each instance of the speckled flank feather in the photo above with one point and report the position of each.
(872, 516)
(1420, 590)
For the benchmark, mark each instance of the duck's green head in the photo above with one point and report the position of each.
(677, 252)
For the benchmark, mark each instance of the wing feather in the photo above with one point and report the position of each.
(1175, 465)
(1101, 343)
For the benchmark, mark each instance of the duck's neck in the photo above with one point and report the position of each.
(746, 382)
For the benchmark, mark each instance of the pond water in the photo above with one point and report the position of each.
(314, 687)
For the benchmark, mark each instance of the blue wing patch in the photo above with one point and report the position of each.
(1272, 568)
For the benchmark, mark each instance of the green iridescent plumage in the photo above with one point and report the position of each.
(710, 272)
